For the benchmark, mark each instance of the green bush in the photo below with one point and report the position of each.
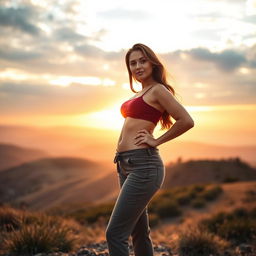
(195, 242)
(238, 226)
(198, 188)
(166, 204)
(167, 208)
(240, 213)
(183, 198)
(230, 179)
(238, 230)
(211, 193)
(157, 199)
(198, 202)
(40, 238)
(212, 224)
(92, 213)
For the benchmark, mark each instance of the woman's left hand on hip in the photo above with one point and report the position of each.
(144, 136)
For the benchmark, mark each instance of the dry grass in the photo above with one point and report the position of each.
(24, 232)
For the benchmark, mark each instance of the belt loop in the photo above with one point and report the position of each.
(149, 151)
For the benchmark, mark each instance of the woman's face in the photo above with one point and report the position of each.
(140, 66)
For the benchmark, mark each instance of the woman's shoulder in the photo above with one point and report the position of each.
(160, 88)
(162, 91)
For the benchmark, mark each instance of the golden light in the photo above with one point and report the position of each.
(104, 119)
(200, 95)
(251, 7)
(126, 86)
(15, 74)
(183, 56)
(106, 67)
(94, 81)
(200, 85)
(244, 71)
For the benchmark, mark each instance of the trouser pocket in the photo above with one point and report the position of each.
(160, 175)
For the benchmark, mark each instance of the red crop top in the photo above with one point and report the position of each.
(138, 108)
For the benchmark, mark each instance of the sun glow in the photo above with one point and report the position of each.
(105, 119)
(67, 80)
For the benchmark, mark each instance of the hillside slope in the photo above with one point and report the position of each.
(208, 171)
(51, 181)
(234, 195)
(13, 155)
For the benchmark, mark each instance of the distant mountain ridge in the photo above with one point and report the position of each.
(49, 181)
(208, 171)
(99, 144)
(12, 155)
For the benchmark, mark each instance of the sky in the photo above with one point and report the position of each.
(62, 62)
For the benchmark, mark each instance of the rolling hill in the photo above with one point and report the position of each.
(12, 155)
(208, 171)
(53, 181)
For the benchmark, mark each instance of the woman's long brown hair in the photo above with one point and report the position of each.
(158, 73)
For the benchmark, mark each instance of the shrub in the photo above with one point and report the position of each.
(10, 219)
(253, 213)
(230, 179)
(168, 208)
(194, 242)
(153, 219)
(198, 188)
(211, 193)
(183, 198)
(238, 226)
(198, 202)
(212, 224)
(93, 213)
(48, 236)
(240, 212)
(250, 196)
(238, 230)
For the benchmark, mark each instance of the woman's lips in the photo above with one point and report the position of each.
(139, 73)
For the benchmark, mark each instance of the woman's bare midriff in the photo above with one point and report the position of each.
(129, 131)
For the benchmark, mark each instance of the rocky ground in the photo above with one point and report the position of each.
(101, 249)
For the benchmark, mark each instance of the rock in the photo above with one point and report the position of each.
(228, 253)
(245, 248)
(86, 252)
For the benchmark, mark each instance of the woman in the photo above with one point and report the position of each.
(140, 168)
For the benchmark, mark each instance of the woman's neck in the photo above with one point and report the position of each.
(148, 82)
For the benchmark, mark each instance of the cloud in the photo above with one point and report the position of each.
(229, 1)
(222, 72)
(87, 50)
(55, 40)
(19, 55)
(250, 19)
(69, 35)
(19, 18)
(227, 60)
(121, 13)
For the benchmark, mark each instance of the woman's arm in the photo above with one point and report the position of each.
(183, 122)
